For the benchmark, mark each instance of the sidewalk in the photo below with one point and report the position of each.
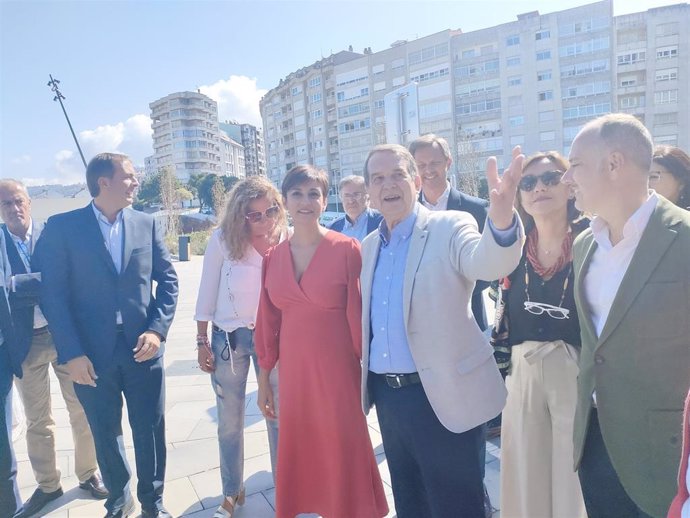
(192, 487)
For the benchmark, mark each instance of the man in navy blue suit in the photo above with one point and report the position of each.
(359, 220)
(98, 264)
(10, 366)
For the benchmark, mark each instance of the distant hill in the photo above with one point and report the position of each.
(78, 190)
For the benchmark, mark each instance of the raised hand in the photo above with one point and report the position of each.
(502, 190)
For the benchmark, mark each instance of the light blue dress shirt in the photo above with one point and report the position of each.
(114, 239)
(358, 228)
(389, 351)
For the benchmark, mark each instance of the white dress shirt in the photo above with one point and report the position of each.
(229, 289)
(114, 239)
(609, 263)
(441, 203)
(25, 248)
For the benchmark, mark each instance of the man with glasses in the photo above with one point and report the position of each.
(632, 291)
(359, 219)
(37, 354)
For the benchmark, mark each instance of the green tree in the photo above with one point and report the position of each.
(149, 192)
(193, 185)
(205, 189)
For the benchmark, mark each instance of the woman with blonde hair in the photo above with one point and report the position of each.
(253, 221)
(539, 337)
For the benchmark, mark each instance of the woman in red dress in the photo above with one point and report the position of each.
(310, 320)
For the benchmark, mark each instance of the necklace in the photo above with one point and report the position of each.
(537, 308)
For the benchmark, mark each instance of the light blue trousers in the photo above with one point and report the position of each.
(229, 382)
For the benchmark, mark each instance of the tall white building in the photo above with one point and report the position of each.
(533, 82)
(186, 135)
(253, 141)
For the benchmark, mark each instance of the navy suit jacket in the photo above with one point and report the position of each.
(8, 350)
(373, 219)
(25, 295)
(81, 290)
(478, 208)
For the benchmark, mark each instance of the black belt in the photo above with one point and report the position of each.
(40, 330)
(219, 330)
(397, 381)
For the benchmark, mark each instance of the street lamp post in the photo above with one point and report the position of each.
(53, 84)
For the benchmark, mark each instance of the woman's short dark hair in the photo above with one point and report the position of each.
(677, 162)
(304, 173)
(102, 165)
(561, 163)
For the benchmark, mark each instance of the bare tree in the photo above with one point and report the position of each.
(468, 178)
(170, 198)
(218, 196)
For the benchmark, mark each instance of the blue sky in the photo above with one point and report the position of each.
(114, 57)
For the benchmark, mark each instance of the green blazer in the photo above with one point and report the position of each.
(640, 365)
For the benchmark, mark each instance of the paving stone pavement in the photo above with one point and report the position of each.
(192, 485)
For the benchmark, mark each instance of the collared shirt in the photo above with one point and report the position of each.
(390, 350)
(229, 289)
(114, 239)
(610, 262)
(25, 247)
(358, 228)
(441, 203)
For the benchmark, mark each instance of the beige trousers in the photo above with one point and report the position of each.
(34, 389)
(537, 476)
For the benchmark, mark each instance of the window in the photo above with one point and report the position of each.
(543, 55)
(667, 74)
(513, 61)
(631, 101)
(441, 72)
(589, 111)
(489, 85)
(316, 98)
(381, 85)
(665, 118)
(631, 57)
(478, 107)
(546, 116)
(314, 81)
(584, 47)
(296, 90)
(397, 81)
(427, 54)
(588, 67)
(543, 34)
(467, 54)
(544, 75)
(667, 29)
(513, 40)
(478, 69)
(378, 69)
(668, 140)
(398, 63)
(379, 104)
(547, 136)
(316, 114)
(626, 81)
(667, 52)
(545, 95)
(514, 81)
(518, 120)
(666, 97)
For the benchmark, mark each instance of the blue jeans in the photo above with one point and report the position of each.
(230, 388)
(9, 493)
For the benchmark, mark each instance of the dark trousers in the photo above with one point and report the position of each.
(10, 502)
(142, 385)
(435, 473)
(603, 492)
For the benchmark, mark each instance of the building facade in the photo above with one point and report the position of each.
(533, 82)
(253, 141)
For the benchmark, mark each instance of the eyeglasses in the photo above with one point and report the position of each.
(537, 308)
(354, 196)
(269, 213)
(549, 179)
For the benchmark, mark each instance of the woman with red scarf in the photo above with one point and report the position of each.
(538, 335)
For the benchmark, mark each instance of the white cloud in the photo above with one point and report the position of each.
(131, 137)
(21, 160)
(237, 98)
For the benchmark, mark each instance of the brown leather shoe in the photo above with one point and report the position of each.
(94, 485)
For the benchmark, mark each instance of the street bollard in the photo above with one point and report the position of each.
(185, 248)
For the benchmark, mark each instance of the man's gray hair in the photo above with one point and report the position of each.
(353, 179)
(399, 151)
(431, 140)
(626, 134)
(8, 183)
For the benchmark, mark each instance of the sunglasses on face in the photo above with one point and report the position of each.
(549, 179)
(256, 216)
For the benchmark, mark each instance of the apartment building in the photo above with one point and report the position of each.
(252, 139)
(533, 82)
(232, 157)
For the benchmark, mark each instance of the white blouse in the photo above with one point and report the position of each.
(685, 510)
(229, 290)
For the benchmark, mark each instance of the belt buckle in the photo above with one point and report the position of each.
(394, 381)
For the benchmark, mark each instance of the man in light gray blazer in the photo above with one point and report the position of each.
(425, 365)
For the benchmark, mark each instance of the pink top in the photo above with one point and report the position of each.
(680, 507)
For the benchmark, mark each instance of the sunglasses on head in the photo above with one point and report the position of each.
(269, 213)
(549, 178)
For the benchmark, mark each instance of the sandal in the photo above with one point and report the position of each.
(222, 512)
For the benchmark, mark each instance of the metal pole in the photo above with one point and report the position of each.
(53, 84)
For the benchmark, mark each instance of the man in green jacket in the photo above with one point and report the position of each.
(632, 289)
